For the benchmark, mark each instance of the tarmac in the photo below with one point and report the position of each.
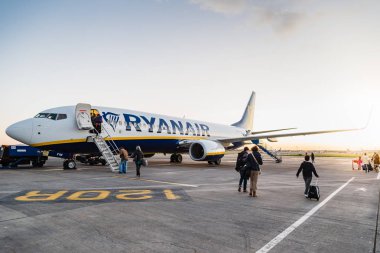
(188, 207)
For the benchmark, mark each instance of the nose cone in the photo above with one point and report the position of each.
(21, 131)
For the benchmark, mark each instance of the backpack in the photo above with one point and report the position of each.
(241, 161)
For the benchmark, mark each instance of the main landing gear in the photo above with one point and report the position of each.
(176, 158)
(69, 164)
(216, 162)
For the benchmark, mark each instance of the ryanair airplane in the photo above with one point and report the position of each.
(71, 129)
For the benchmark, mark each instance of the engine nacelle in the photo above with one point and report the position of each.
(206, 150)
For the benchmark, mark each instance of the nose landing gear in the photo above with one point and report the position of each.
(69, 164)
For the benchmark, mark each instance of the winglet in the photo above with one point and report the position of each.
(369, 118)
(246, 121)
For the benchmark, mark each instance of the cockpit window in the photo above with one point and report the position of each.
(52, 116)
(42, 115)
(61, 116)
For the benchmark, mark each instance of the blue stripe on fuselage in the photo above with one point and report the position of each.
(147, 146)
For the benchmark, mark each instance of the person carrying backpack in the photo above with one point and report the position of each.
(308, 170)
(240, 163)
(138, 157)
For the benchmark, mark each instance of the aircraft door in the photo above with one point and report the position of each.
(83, 116)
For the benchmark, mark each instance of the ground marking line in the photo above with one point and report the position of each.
(156, 181)
(163, 182)
(378, 176)
(270, 245)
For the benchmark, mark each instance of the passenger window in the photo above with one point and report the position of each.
(61, 116)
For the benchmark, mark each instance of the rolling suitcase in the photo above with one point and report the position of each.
(313, 192)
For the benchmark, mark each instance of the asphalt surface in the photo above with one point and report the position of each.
(192, 207)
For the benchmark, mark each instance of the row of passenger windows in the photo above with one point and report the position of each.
(52, 116)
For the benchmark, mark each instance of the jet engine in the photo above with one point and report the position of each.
(206, 150)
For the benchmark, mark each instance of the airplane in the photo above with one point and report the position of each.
(69, 129)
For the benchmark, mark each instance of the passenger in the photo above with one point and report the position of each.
(138, 157)
(376, 162)
(365, 161)
(312, 157)
(307, 169)
(241, 161)
(98, 123)
(254, 161)
(123, 167)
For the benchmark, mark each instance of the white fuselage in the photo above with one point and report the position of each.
(153, 132)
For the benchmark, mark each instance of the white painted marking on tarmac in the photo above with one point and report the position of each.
(361, 189)
(1, 192)
(164, 182)
(378, 176)
(157, 181)
(270, 245)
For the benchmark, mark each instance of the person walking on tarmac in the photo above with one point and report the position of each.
(376, 162)
(254, 161)
(366, 163)
(240, 162)
(123, 166)
(138, 157)
(312, 157)
(308, 170)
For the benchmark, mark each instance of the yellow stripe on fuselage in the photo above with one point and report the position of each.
(57, 142)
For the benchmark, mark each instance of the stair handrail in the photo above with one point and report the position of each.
(113, 147)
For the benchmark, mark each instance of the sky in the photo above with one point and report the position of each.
(313, 64)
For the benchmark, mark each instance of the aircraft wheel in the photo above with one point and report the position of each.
(218, 162)
(210, 162)
(179, 158)
(172, 158)
(69, 164)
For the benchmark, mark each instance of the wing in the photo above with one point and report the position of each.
(266, 136)
(275, 130)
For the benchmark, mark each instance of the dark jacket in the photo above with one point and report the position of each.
(308, 169)
(137, 155)
(252, 164)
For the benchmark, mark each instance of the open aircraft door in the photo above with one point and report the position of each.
(83, 116)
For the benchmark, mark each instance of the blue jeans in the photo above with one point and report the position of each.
(243, 180)
(307, 183)
(123, 166)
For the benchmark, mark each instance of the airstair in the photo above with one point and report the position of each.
(107, 148)
(108, 152)
(275, 157)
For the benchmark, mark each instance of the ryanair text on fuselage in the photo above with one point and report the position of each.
(171, 127)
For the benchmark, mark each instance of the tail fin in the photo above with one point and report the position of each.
(246, 121)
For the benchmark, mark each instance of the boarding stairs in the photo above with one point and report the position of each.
(108, 149)
(276, 157)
